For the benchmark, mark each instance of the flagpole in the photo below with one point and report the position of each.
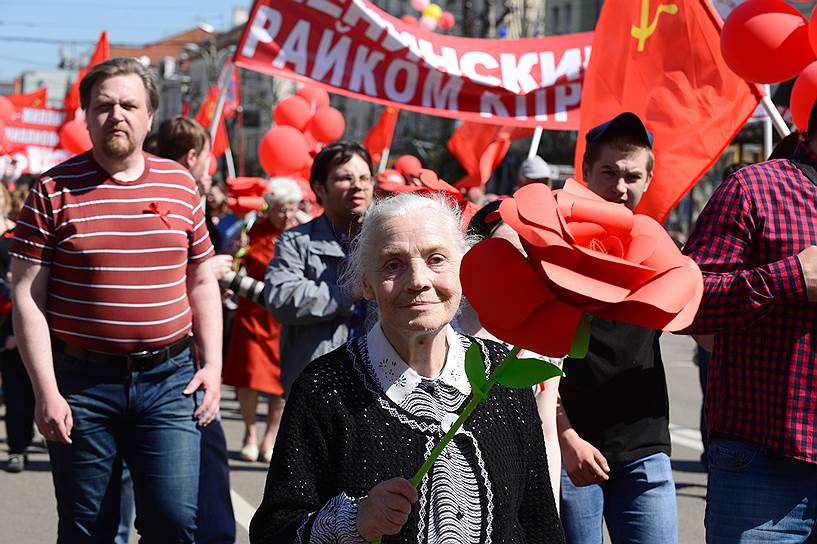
(384, 156)
(534, 142)
(774, 116)
(226, 75)
(228, 154)
(384, 159)
(767, 128)
(240, 140)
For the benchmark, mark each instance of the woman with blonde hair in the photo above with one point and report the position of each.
(253, 357)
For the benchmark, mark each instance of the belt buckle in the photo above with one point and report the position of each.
(135, 360)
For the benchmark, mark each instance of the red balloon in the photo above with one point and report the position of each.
(409, 165)
(409, 20)
(446, 21)
(313, 145)
(283, 151)
(812, 30)
(803, 95)
(6, 109)
(74, 137)
(327, 125)
(292, 111)
(314, 95)
(766, 41)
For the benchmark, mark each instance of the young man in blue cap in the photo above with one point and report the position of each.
(613, 413)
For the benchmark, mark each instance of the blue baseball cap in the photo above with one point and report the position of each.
(627, 122)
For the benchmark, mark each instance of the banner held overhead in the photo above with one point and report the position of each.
(353, 48)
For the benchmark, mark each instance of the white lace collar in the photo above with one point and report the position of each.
(398, 380)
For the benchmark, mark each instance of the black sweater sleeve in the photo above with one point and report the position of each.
(300, 474)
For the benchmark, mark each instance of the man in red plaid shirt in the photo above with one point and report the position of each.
(755, 243)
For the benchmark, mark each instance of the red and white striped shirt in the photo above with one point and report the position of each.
(117, 252)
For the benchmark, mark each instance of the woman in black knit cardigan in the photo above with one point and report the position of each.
(361, 420)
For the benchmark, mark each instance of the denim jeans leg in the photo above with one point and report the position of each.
(582, 512)
(125, 507)
(640, 503)
(162, 451)
(86, 472)
(753, 497)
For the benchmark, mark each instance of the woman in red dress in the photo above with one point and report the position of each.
(253, 360)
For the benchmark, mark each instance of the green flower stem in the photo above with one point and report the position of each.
(477, 397)
(438, 449)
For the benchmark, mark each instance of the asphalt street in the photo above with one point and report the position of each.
(28, 511)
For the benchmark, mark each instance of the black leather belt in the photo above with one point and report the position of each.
(137, 361)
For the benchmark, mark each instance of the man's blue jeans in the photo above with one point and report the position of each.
(637, 502)
(143, 418)
(754, 496)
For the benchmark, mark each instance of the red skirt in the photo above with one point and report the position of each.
(254, 355)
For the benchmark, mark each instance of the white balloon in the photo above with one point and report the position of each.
(429, 23)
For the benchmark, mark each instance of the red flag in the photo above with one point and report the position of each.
(232, 98)
(379, 137)
(205, 117)
(662, 61)
(36, 99)
(101, 53)
(480, 148)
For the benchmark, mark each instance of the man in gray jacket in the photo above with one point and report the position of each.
(301, 288)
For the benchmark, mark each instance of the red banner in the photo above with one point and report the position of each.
(34, 126)
(355, 49)
(32, 135)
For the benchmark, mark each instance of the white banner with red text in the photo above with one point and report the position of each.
(32, 140)
(353, 48)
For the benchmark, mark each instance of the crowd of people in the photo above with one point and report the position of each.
(128, 282)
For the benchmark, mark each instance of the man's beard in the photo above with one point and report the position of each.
(118, 148)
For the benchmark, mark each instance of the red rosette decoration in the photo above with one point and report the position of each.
(425, 181)
(585, 256)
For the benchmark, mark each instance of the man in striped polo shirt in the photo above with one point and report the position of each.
(109, 284)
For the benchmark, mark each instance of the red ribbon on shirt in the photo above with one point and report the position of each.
(154, 208)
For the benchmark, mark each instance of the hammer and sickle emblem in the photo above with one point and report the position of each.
(647, 28)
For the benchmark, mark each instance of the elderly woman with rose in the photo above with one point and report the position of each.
(364, 417)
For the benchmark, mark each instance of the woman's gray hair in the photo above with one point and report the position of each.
(283, 191)
(362, 249)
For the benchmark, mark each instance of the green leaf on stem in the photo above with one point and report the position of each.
(581, 339)
(520, 373)
(475, 369)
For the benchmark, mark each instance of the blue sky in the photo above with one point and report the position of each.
(44, 24)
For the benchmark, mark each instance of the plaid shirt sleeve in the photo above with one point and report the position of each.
(738, 291)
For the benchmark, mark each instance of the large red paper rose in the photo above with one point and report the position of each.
(584, 255)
